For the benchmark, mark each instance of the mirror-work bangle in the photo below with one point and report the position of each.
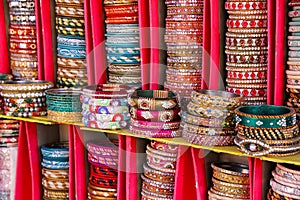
(105, 125)
(158, 116)
(265, 116)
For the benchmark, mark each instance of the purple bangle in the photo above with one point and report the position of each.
(155, 133)
(206, 140)
(102, 150)
(106, 161)
(159, 116)
(156, 125)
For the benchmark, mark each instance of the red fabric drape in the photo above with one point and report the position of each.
(39, 36)
(72, 195)
(122, 168)
(4, 61)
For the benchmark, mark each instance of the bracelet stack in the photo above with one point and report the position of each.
(105, 106)
(184, 35)
(230, 181)
(23, 39)
(3, 78)
(208, 120)
(55, 170)
(159, 171)
(103, 159)
(25, 98)
(267, 130)
(285, 183)
(122, 42)
(247, 49)
(9, 132)
(63, 105)
(154, 113)
(293, 73)
(71, 47)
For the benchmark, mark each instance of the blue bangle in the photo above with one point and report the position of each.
(55, 167)
(66, 40)
(66, 52)
(57, 159)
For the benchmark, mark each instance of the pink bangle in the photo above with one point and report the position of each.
(284, 180)
(156, 125)
(102, 150)
(164, 147)
(155, 133)
(161, 153)
(158, 116)
(289, 173)
(206, 140)
(107, 161)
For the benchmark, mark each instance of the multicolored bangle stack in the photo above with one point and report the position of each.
(105, 106)
(55, 170)
(285, 183)
(267, 130)
(293, 73)
(23, 39)
(159, 171)
(63, 105)
(122, 42)
(103, 159)
(208, 120)
(3, 78)
(9, 132)
(247, 49)
(25, 98)
(184, 35)
(154, 113)
(230, 181)
(71, 47)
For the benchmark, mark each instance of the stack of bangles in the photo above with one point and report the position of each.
(208, 120)
(3, 79)
(230, 181)
(71, 46)
(55, 170)
(154, 113)
(158, 179)
(103, 159)
(184, 36)
(25, 98)
(122, 42)
(23, 39)
(285, 183)
(105, 106)
(9, 132)
(247, 49)
(267, 130)
(63, 105)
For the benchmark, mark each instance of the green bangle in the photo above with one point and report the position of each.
(265, 116)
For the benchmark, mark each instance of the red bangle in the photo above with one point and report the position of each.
(158, 116)
(118, 11)
(19, 45)
(247, 75)
(19, 51)
(183, 79)
(248, 92)
(259, 5)
(16, 30)
(104, 171)
(184, 25)
(247, 59)
(105, 183)
(247, 23)
(247, 42)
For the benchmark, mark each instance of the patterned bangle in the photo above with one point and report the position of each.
(240, 81)
(259, 23)
(289, 190)
(266, 116)
(22, 19)
(248, 30)
(104, 171)
(206, 140)
(34, 85)
(74, 63)
(105, 125)
(100, 182)
(268, 133)
(288, 171)
(234, 169)
(55, 184)
(106, 91)
(238, 190)
(281, 195)
(55, 194)
(117, 11)
(248, 92)
(103, 160)
(23, 45)
(21, 5)
(160, 153)
(260, 5)
(94, 187)
(230, 178)
(247, 59)
(210, 131)
(213, 194)
(102, 150)
(155, 125)
(103, 102)
(66, 117)
(284, 181)
(250, 75)
(23, 64)
(247, 42)
(248, 17)
(159, 188)
(70, 40)
(153, 196)
(158, 116)
(164, 147)
(105, 117)
(69, 11)
(106, 109)
(101, 194)
(185, 79)
(174, 10)
(248, 12)
(73, 33)
(66, 52)
(154, 133)
(153, 100)
(55, 174)
(27, 31)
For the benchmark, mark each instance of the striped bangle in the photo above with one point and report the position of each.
(70, 22)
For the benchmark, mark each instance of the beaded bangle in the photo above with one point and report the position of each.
(289, 190)
(105, 125)
(158, 176)
(265, 116)
(25, 114)
(268, 133)
(288, 171)
(151, 187)
(153, 99)
(153, 197)
(237, 190)
(156, 125)
(164, 147)
(210, 131)
(155, 133)
(206, 140)
(5, 140)
(25, 85)
(102, 150)
(158, 116)
(260, 5)
(260, 92)
(161, 153)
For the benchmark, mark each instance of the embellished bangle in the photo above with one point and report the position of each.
(69, 11)
(268, 133)
(159, 188)
(158, 183)
(55, 174)
(252, 59)
(231, 178)
(160, 153)
(106, 90)
(250, 35)
(154, 133)
(252, 49)
(288, 171)
(11, 139)
(33, 94)
(116, 11)
(27, 31)
(67, 117)
(80, 2)
(105, 125)
(156, 125)
(239, 81)
(158, 116)
(241, 67)
(70, 40)
(55, 184)
(215, 195)
(174, 10)
(102, 150)
(153, 100)
(246, 53)
(103, 102)
(258, 23)
(201, 121)
(207, 111)
(266, 116)
(20, 19)
(164, 147)
(248, 30)
(284, 181)
(100, 182)
(106, 109)
(105, 117)
(55, 194)
(26, 85)
(20, 4)
(103, 194)
(104, 171)
(247, 75)
(286, 189)
(206, 140)
(252, 92)
(122, 20)
(64, 31)
(103, 160)
(153, 196)
(67, 52)
(283, 195)
(74, 63)
(158, 175)
(59, 149)
(25, 64)
(210, 131)
(248, 17)
(101, 188)
(117, 79)
(238, 190)
(247, 42)
(23, 51)
(260, 5)
(185, 79)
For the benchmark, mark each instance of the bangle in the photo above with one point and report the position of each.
(253, 49)
(202, 121)
(288, 171)
(122, 20)
(158, 175)
(247, 42)
(247, 75)
(23, 31)
(154, 133)
(55, 174)
(260, 5)
(220, 175)
(169, 186)
(55, 184)
(282, 195)
(239, 81)
(34, 85)
(117, 79)
(206, 140)
(268, 133)
(284, 181)
(156, 125)
(183, 38)
(131, 70)
(184, 79)
(105, 125)
(23, 51)
(289, 190)
(117, 11)
(69, 11)
(164, 147)
(67, 52)
(188, 86)
(102, 150)
(17, 19)
(248, 17)
(100, 182)
(156, 188)
(66, 117)
(153, 100)
(248, 92)
(80, 2)
(266, 116)
(106, 109)
(103, 160)
(241, 67)
(160, 153)
(220, 196)
(258, 23)
(105, 117)
(158, 116)
(174, 10)
(153, 196)
(55, 194)
(252, 59)
(248, 30)
(249, 35)
(103, 102)
(103, 194)
(20, 4)
(70, 41)
(245, 53)
(11, 139)
(210, 131)
(106, 91)
(63, 31)
(101, 189)
(25, 64)
(104, 171)
(183, 65)
(240, 191)
(207, 111)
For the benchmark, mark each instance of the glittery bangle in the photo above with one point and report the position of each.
(211, 131)
(157, 175)
(169, 148)
(157, 187)
(280, 187)
(160, 153)
(102, 150)
(105, 125)
(158, 116)
(288, 171)
(247, 59)
(214, 195)
(260, 5)
(156, 125)
(105, 117)
(103, 102)
(106, 109)
(57, 194)
(238, 190)
(247, 75)
(155, 133)
(230, 178)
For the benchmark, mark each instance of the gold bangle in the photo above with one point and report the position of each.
(64, 116)
(69, 11)
(237, 190)
(234, 169)
(231, 178)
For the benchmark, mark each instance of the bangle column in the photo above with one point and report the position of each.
(4, 61)
(121, 168)
(39, 36)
